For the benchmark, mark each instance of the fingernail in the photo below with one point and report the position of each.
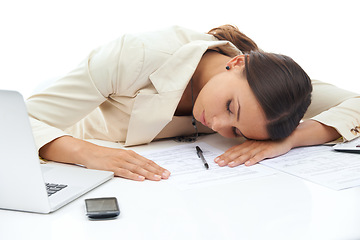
(141, 178)
(166, 174)
(231, 164)
(157, 177)
(221, 162)
(216, 159)
(248, 163)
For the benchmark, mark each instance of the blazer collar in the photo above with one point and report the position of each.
(176, 72)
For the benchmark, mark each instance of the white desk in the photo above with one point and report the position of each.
(280, 206)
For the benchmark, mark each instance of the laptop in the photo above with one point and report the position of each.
(24, 182)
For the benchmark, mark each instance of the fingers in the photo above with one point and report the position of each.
(135, 167)
(248, 153)
(121, 172)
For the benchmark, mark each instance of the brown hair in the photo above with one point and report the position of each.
(281, 86)
(233, 35)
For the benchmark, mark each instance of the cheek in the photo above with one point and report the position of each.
(210, 101)
(197, 110)
(227, 133)
(201, 103)
(255, 129)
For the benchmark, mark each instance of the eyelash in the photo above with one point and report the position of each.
(228, 106)
(228, 109)
(234, 132)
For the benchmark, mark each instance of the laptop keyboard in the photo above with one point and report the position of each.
(53, 188)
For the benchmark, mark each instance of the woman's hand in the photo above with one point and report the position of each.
(308, 133)
(251, 152)
(124, 163)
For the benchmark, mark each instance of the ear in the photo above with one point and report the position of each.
(238, 61)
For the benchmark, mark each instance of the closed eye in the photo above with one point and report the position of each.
(234, 130)
(228, 106)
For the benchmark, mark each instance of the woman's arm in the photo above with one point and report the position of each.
(308, 133)
(124, 163)
(335, 107)
(333, 112)
(73, 97)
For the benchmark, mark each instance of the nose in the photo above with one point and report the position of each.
(219, 123)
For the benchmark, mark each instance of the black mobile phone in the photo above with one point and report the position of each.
(102, 208)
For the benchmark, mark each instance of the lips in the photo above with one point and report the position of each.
(202, 119)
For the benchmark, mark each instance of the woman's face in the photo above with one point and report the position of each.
(227, 105)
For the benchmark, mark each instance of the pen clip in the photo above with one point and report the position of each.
(198, 151)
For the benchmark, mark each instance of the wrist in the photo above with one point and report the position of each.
(311, 132)
(66, 149)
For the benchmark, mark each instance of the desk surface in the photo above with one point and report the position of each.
(279, 206)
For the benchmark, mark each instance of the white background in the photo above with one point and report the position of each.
(42, 39)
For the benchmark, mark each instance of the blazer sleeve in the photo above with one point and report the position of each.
(75, 95)
(335, 107)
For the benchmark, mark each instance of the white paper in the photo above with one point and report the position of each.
(320, 164)
(188, 171)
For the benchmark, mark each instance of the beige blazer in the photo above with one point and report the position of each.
(128, 90)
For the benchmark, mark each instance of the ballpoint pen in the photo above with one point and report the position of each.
(200, 155)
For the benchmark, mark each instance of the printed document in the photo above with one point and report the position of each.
(320, 164)
(188, 170)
